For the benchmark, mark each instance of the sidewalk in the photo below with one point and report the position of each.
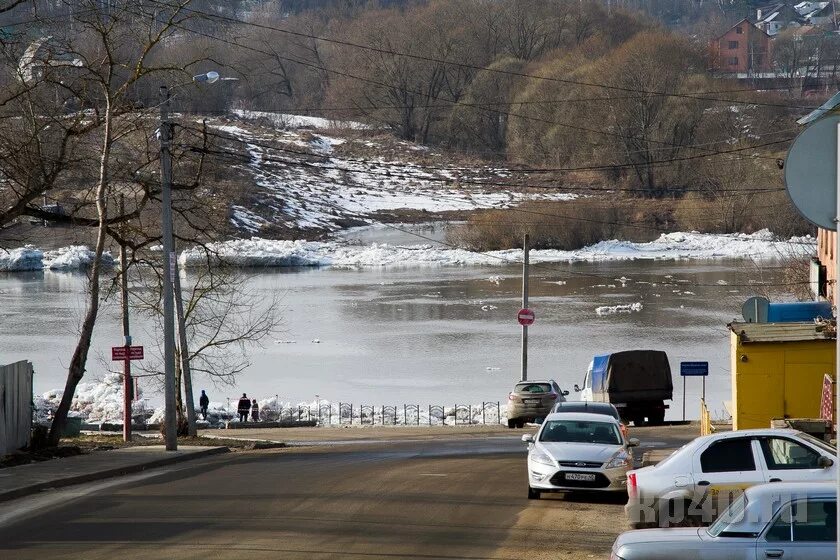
(33, 478)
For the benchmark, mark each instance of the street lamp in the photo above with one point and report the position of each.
(169, 267)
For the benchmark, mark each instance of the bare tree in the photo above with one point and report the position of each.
(224, 318)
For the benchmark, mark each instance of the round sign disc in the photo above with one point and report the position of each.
(525, 317)
(811, 172)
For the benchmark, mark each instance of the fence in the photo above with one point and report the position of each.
(15, 406)
(347, 414)
(706, 427)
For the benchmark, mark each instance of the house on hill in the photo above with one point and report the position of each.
(743, 49)
(780, 15)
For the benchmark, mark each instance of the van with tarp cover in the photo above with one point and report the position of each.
(636, 382)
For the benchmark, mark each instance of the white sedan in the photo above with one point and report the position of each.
(703, 477)
(787, 520)
(578, 451)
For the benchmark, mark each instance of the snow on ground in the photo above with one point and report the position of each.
(325, 190)
(613, 309)
(95, 402)
(282, 120)
(257, 252)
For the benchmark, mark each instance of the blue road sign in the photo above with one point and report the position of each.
(700, 369)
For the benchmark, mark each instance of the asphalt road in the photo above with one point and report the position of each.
(446, 498)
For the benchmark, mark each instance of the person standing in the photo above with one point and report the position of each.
(204, 403)
(255, 411)
(243, 408)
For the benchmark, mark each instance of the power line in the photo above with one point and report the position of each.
(464, 180)
(670, 145)
(378, 50)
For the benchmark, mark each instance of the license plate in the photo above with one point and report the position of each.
(531, 401)
(580, 476)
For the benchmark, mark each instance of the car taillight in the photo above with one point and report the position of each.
(632, 488)
(552, 396)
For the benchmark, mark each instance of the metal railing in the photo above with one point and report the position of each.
(346, 414)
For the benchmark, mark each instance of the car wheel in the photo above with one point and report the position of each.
(639, 421)
(511, 424)
(533, 494)
(520, 423)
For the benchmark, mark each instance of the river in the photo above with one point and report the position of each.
(425, 335)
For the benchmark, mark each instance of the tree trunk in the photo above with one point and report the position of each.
(79, 361)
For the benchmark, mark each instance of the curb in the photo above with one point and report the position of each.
(110, 473)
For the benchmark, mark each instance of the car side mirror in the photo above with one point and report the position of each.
(527, 438)
(565, 393)
(824, 462)
(577, 388)
(632, 442)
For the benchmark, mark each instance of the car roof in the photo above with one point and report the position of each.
(749, 433)
(581, 416)
(535, 381)
(798, 489)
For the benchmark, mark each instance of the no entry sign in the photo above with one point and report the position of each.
(525, 317)
(122, 353)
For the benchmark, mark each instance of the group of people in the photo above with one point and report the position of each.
(245, 408)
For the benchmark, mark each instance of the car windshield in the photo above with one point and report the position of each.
(733, 515)
(577, 431)
(824, 446)
(538, 388)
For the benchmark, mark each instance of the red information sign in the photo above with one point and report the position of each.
(525, 317)
(827, 400)
(122, 353)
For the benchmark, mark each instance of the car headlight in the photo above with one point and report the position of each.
(542, 458)
(620, 459)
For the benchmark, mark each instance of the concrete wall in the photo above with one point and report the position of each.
(15, 406)
(777, 380)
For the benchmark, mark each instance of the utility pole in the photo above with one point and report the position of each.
(170, 424)
(525, 306)
(185, 354)
(127, 386)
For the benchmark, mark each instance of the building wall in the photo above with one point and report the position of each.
(827, 254)
(777, 380)
(747, 51)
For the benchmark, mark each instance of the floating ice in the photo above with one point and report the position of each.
(613, 309)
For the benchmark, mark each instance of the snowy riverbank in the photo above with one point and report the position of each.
(257, 252)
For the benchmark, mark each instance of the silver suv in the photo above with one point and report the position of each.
(531, 400)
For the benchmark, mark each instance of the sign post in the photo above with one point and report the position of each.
(125, 354)
(526, 319)
(694, 369)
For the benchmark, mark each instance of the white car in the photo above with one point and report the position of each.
(704, 476)
(578, 451)
(788, 520)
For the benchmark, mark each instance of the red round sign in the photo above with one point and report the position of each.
(525, 317)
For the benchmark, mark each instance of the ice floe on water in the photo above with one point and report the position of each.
(21, 259)
(613, 309)
(258, 252)
(74, 257)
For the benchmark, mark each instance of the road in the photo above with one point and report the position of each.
(441, 498)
